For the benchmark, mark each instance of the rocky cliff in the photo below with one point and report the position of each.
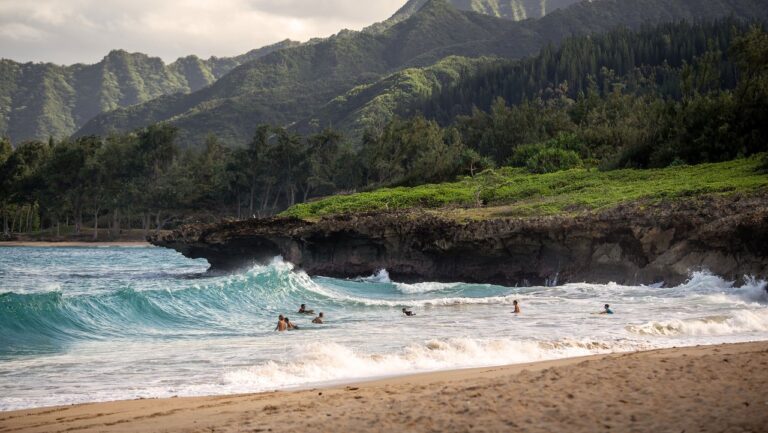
(631, 244)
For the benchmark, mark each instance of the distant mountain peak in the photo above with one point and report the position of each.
(515, 10)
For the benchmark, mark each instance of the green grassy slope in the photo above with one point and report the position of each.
(515, 192)
(38, 100)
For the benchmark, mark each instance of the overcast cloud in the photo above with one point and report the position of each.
(72, 31)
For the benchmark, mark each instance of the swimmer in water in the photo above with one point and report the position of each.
(517, 306)
(290, 325)
(318, 319)
(408, 312)
(282, 324)
(303, 310)
(607, 310)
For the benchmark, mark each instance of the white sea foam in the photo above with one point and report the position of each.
(325, 362)
(412, 289)
(381, 276)
(428, 302)
(740, 321)
(754, 291)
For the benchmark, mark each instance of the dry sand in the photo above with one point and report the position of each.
(701, 389)
(42, 244)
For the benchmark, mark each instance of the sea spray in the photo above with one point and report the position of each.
(411, 289)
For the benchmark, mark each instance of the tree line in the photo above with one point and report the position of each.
(682, 94)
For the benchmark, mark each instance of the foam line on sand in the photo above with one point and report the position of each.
(708, 388)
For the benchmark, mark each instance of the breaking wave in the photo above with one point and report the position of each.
(328, 362)
(741, 321)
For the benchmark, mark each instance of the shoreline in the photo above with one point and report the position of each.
(699, 388)
(75, 244)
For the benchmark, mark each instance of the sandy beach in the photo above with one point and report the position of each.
(41, 244)
(698, 389)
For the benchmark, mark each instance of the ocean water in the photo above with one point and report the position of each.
(98, 324)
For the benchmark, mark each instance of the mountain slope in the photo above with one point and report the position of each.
(516, 10)
(291, 84)
(38, 100)
(295, 84)
(447, 82)
(373, 105)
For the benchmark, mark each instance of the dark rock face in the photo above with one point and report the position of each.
(632, 244)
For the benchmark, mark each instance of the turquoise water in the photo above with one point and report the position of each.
(96, 324)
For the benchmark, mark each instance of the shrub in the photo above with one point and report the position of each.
(551, 160)
(522, 154)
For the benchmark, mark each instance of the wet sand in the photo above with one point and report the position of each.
(699, 389)
(97, 244)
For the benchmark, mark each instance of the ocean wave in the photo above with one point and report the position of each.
(327, 362)
(700, 283)
(739, 321)
(412, 289)
(431, 302)
(215, 305)
(234, 303)
(381, 276)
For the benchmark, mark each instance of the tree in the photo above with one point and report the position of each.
(68, 175)
(158, 151)
(289, 156)
(751, 95)
(325, 149)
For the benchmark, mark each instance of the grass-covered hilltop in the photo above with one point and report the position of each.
(515, 192)
(473, 116)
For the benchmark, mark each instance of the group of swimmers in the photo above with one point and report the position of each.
(285, 324)
(606, 308)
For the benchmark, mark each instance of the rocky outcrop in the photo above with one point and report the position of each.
(638, 243)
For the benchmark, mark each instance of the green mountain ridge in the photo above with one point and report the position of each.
(291, 84)
(374, 104)
(296, 86)
(38, 100)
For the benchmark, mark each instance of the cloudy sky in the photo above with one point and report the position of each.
(71, 31)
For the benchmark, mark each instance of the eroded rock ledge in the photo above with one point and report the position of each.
(631, 244)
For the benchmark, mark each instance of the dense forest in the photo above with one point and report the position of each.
(669, 95)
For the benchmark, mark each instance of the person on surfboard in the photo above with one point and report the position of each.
(408, 313)
(303, 310)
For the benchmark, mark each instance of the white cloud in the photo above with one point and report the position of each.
(20, 32)
(70, 31)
